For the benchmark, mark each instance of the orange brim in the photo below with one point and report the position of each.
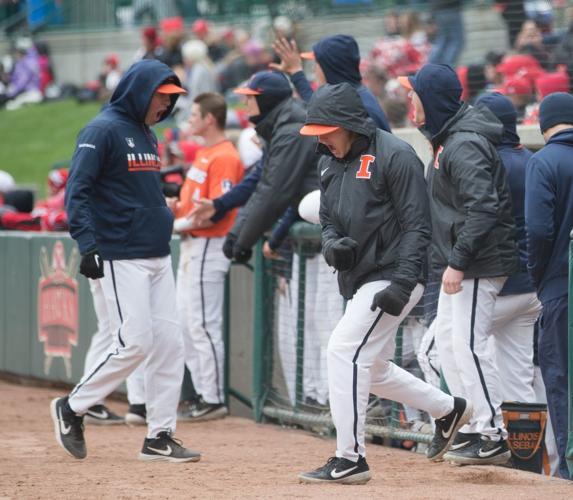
(170, 88)
(246, 91)
(405, 82)
(316, 129)
(308, 55)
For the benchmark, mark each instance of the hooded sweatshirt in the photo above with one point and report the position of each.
(472, 226)
(549, 215)
(339, 59)
(375, 195)
(114, 199)
(514, 157)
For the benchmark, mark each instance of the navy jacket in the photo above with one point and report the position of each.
(339, 59)
(549, 215)
(113, 196)
(514, 158)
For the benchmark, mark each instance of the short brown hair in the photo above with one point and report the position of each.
(210, 102)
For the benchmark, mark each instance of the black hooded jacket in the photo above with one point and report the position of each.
(375, 195)
(289, 172)
(473, 226)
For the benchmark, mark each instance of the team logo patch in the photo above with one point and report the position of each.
(130, 142)
(437, 158)
(364, 170)
(58, 325)
(226, 185)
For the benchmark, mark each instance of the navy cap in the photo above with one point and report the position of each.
(555, 109)
(271, 83)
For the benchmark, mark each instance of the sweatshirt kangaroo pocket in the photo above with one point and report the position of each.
(150, 231)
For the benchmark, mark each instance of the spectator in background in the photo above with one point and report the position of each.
(216, 48)
(150, 45)
(530, 41)
(172, 34)
(337, 60)
(493, 77)
(450, 40)
(546, 84)
(548, 222)
(45, 64)
(109, 77)
(413, 31)
(520, 91)
(24, 87)
(513, 13)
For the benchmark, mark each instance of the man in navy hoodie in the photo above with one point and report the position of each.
(118, 217)
(337, 60)
(548, 223)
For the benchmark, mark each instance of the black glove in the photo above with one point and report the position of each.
(392, 299)
(242, 255)
(91, 265)
(341, 254)
(228, 245)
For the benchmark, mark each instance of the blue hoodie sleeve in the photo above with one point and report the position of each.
(281, 230)
(302, 85)
(539, 218)
(239, 195)
(86, 165)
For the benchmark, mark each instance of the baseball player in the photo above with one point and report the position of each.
(474, 244)
(202, 264)
(375, 232)
(118, 216)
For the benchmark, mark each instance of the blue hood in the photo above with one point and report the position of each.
(439, 89)
(134, 91)
(339, 58)
(506, 113)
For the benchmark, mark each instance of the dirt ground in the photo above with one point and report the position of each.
(241, 459)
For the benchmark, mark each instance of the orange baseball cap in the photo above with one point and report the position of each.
(308, 55)
(405, 82)
(317, 129)
(170, 88)
(247, 91)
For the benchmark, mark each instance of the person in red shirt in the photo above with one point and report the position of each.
(202, 264)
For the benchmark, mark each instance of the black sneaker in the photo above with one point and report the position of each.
(102, 415)
(482, 452)
(339, 470)
(136, 415)
(464, 439)
(203, 411)
(447, 428)
(69, 428)
(164, 448)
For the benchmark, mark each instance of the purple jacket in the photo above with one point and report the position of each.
(26, 74)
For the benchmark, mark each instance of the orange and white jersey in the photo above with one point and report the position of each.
(214, 172)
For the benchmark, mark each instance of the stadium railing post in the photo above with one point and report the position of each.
(259, 324)
(299, 395)
(569, 451)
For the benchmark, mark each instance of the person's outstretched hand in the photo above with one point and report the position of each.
(291, 61)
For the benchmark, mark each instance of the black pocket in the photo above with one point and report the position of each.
(150, 231)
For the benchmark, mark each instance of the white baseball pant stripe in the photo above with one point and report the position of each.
(141, 294)
(511, 339)
(102, 342)
(203, 268)
(359, 362)
(463, 325)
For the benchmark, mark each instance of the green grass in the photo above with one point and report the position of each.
(35, 137)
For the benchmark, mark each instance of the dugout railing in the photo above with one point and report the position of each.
(569, 452)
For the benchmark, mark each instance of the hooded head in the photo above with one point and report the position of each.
(505, 111)
(139, 83)
(556, 109)
(439, 90)
(269, 88)
(339, 59)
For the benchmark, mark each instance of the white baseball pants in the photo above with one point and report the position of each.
(511, 339)
(102, 342)
(201, 292)
(359, 362)
(463, 326)
(141, 294)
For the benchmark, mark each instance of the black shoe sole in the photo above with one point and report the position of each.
(56, 420)
(500, 459)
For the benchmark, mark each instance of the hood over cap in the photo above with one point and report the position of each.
(339, 59)
(440, 91)
(340, 106)
(135, 90)
(504, 110)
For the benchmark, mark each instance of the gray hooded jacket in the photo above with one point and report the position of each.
(375, 195)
